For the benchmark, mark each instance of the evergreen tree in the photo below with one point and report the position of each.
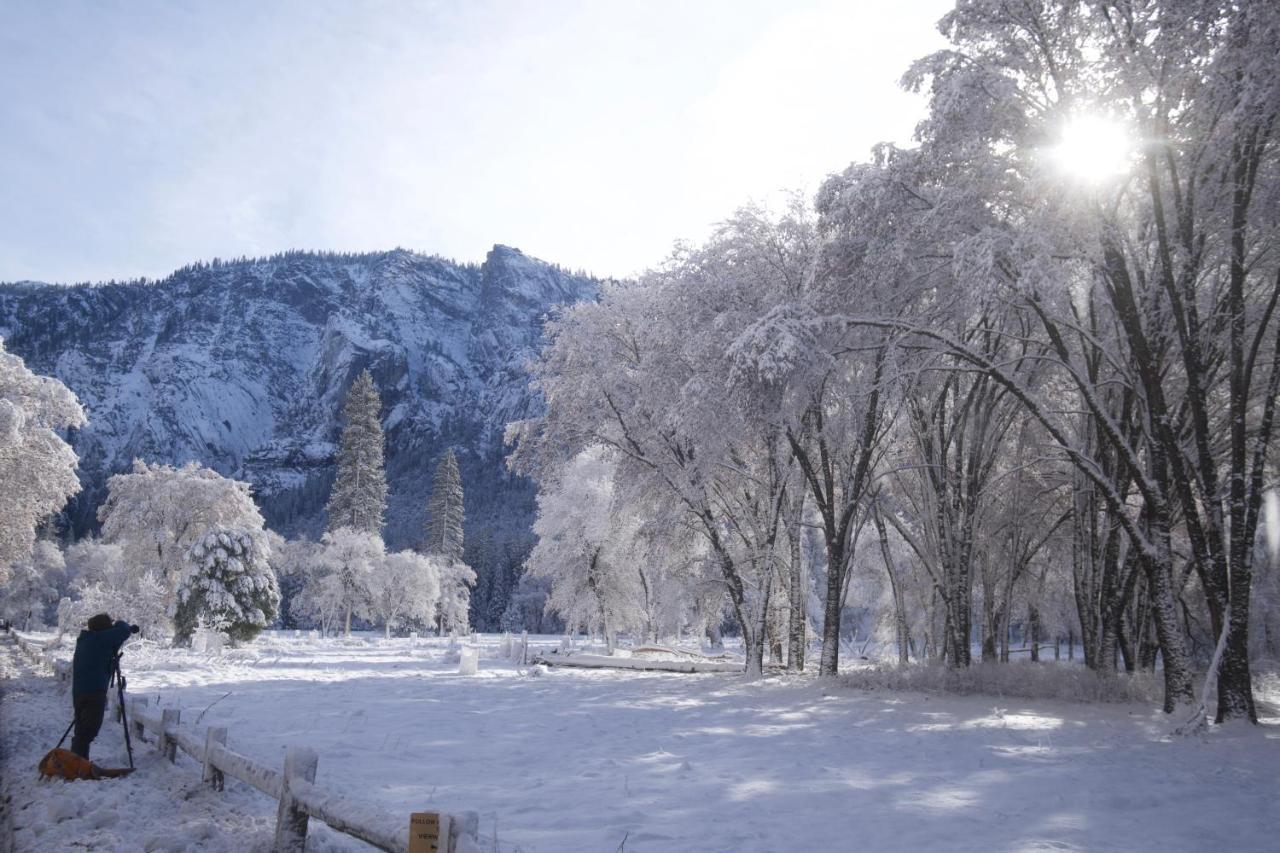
(359, 496)
(444, 510)
(479, 556)
(228, 584)
(444, 540)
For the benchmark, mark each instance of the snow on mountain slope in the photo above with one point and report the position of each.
(244, 366)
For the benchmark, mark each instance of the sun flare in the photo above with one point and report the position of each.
(1092, 149)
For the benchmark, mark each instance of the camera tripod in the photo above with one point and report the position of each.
(116, 677)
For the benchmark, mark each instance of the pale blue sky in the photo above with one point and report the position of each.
(138, 136)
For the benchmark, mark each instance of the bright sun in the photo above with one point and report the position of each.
(1092, 149)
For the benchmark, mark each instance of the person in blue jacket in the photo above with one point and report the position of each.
(91, 668)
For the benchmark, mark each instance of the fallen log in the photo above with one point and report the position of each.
(686, 653)
(639, 664)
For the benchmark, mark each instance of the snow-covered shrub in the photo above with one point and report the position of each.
(227, 585)
(1021, 680)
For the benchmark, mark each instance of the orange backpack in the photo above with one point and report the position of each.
(66, 764)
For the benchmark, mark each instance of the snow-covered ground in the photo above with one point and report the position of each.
(599, 760)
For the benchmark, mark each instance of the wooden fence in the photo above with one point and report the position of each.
(293, 786)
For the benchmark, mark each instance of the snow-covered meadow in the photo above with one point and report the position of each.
(574, 760)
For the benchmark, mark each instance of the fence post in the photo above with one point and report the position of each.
(291, 821)
(169, 718)
(137, 702)
(213, 737)
(463, 825)
(524, 649)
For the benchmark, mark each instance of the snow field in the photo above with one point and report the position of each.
(578, 760)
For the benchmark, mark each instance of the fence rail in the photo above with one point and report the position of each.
(293, 786)
(34, 649)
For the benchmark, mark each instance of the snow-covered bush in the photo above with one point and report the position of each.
(227, 585)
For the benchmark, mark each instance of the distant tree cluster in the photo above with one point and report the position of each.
(184, 549)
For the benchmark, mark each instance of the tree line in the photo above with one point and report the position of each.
(967, 387)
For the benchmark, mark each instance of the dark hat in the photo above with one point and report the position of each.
(100, 622)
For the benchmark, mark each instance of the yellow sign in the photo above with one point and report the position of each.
(424, 833)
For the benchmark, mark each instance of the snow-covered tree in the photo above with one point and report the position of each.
(92, 560)
(341, 581)
(445, 512)
(359, 497)
(1149, 278)
(321, 599)
(33, 585)
(158, 512)
(444, 541)
(651, 370)
(453, 611)
(37, 467)
(582, 549)
(227, 585)
(527, 607)
(294, 561)
(403, 585)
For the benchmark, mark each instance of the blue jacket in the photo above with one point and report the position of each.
(95, 650)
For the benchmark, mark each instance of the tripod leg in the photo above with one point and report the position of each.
(124, 719)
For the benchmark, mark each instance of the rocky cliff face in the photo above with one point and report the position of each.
(243, 366)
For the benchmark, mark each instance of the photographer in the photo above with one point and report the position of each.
(96, 650)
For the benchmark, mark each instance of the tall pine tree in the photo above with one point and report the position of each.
(359, 496)
(444, 510)
(444, 538)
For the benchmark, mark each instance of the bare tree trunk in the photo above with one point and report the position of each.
(1033, 623)
(899, 602)
(990, 618)
(1177, 670)
(1006, 618)
(797, 627)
